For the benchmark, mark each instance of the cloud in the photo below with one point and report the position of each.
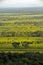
(1, 0)
(21, 3)
(41, 0)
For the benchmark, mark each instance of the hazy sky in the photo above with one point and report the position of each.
(21, 3)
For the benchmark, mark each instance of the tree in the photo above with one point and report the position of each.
(15, 44)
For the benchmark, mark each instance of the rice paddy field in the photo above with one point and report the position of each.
(21, 33)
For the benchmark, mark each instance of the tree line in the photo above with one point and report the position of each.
(28, 58)
(22, 34)
(24, 44)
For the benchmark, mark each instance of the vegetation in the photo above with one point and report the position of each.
(21, 32)
(21, 39)
(29, 58)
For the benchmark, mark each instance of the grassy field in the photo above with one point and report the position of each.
(21, 33)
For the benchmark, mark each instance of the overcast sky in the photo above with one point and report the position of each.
(21, 3)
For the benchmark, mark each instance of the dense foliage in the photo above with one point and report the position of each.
(29, 58)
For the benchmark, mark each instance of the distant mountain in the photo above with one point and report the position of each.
(22, 10)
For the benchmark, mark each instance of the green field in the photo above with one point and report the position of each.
(21, 33)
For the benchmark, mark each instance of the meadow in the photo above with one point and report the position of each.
(21, 33)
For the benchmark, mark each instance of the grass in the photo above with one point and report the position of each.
(20, 23)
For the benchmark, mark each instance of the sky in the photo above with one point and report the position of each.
(21, 3)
